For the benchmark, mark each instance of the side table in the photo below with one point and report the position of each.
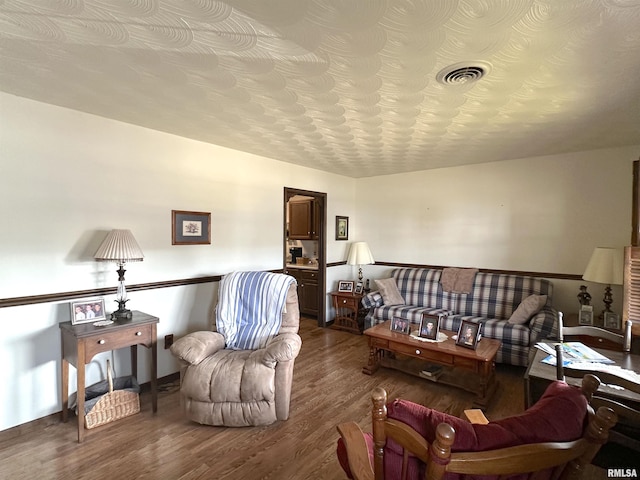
(349, 312)
(80, 343)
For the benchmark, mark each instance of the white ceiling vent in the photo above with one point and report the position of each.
(463, 73)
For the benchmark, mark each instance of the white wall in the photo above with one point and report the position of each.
(68, 178)
(543, 214)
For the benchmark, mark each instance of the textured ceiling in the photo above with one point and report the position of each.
(346, 86)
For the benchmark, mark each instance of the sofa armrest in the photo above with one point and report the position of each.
(543, 325)
(372, 300)
(196, 346)
(282, 348)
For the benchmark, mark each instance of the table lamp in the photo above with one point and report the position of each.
(121, 247)
(605, 266)
(359, 254)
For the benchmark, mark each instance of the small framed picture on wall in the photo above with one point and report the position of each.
(342, 228)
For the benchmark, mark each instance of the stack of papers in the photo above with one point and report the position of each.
(572, 352)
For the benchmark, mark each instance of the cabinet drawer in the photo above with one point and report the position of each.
(418, 352)
(378, 342)
(309, 275)
(466, 363)
(124, 338)
(347, 302)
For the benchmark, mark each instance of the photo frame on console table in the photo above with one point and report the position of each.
(612, 320)
(468, 334)
(190, 228)
(87, 311)
(401, 325)
(345, 286)
(585, 316)
(429, 326)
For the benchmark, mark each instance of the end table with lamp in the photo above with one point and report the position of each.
(80, 343)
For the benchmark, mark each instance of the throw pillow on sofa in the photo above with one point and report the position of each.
(527, 309)
(389, 291)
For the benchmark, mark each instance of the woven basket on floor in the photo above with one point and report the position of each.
(113, 405)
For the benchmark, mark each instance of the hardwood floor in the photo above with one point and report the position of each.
(329, 387)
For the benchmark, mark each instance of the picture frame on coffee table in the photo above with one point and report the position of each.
(429, 326)
(401, 325)
(468, 334)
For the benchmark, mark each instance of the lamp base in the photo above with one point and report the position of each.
(122, 313)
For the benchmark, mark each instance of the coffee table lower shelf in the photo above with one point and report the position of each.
(450, 376)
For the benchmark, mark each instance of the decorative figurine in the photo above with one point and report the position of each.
(584, 297)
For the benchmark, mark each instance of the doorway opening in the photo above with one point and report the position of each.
(304, 248)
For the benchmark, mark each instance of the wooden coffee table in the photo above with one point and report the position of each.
(471, 370)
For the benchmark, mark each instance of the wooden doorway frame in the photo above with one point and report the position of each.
(321, 199)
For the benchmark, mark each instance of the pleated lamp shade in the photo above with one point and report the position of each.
(120, 246)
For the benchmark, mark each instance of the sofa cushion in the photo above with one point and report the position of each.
(389, 291)
(527, 309)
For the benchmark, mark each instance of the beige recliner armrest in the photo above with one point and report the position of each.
(196, 346)
(282, 348)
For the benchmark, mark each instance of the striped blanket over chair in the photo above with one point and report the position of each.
(250, 308)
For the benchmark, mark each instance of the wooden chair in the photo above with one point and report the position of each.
(567, 457)
(627, 430)
(594, 337)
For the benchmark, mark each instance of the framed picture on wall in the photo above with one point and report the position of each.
(342, 228)
(190, 228)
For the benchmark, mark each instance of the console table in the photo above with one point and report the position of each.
(80, 343)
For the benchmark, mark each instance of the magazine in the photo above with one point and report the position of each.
(572, 352)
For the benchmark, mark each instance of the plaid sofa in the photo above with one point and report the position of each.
(492, 300)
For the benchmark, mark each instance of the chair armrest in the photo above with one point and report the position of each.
(475, 416)
(196, 346)
(357, 451)
(282, 348)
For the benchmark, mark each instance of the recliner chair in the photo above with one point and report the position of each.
(220, 385)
